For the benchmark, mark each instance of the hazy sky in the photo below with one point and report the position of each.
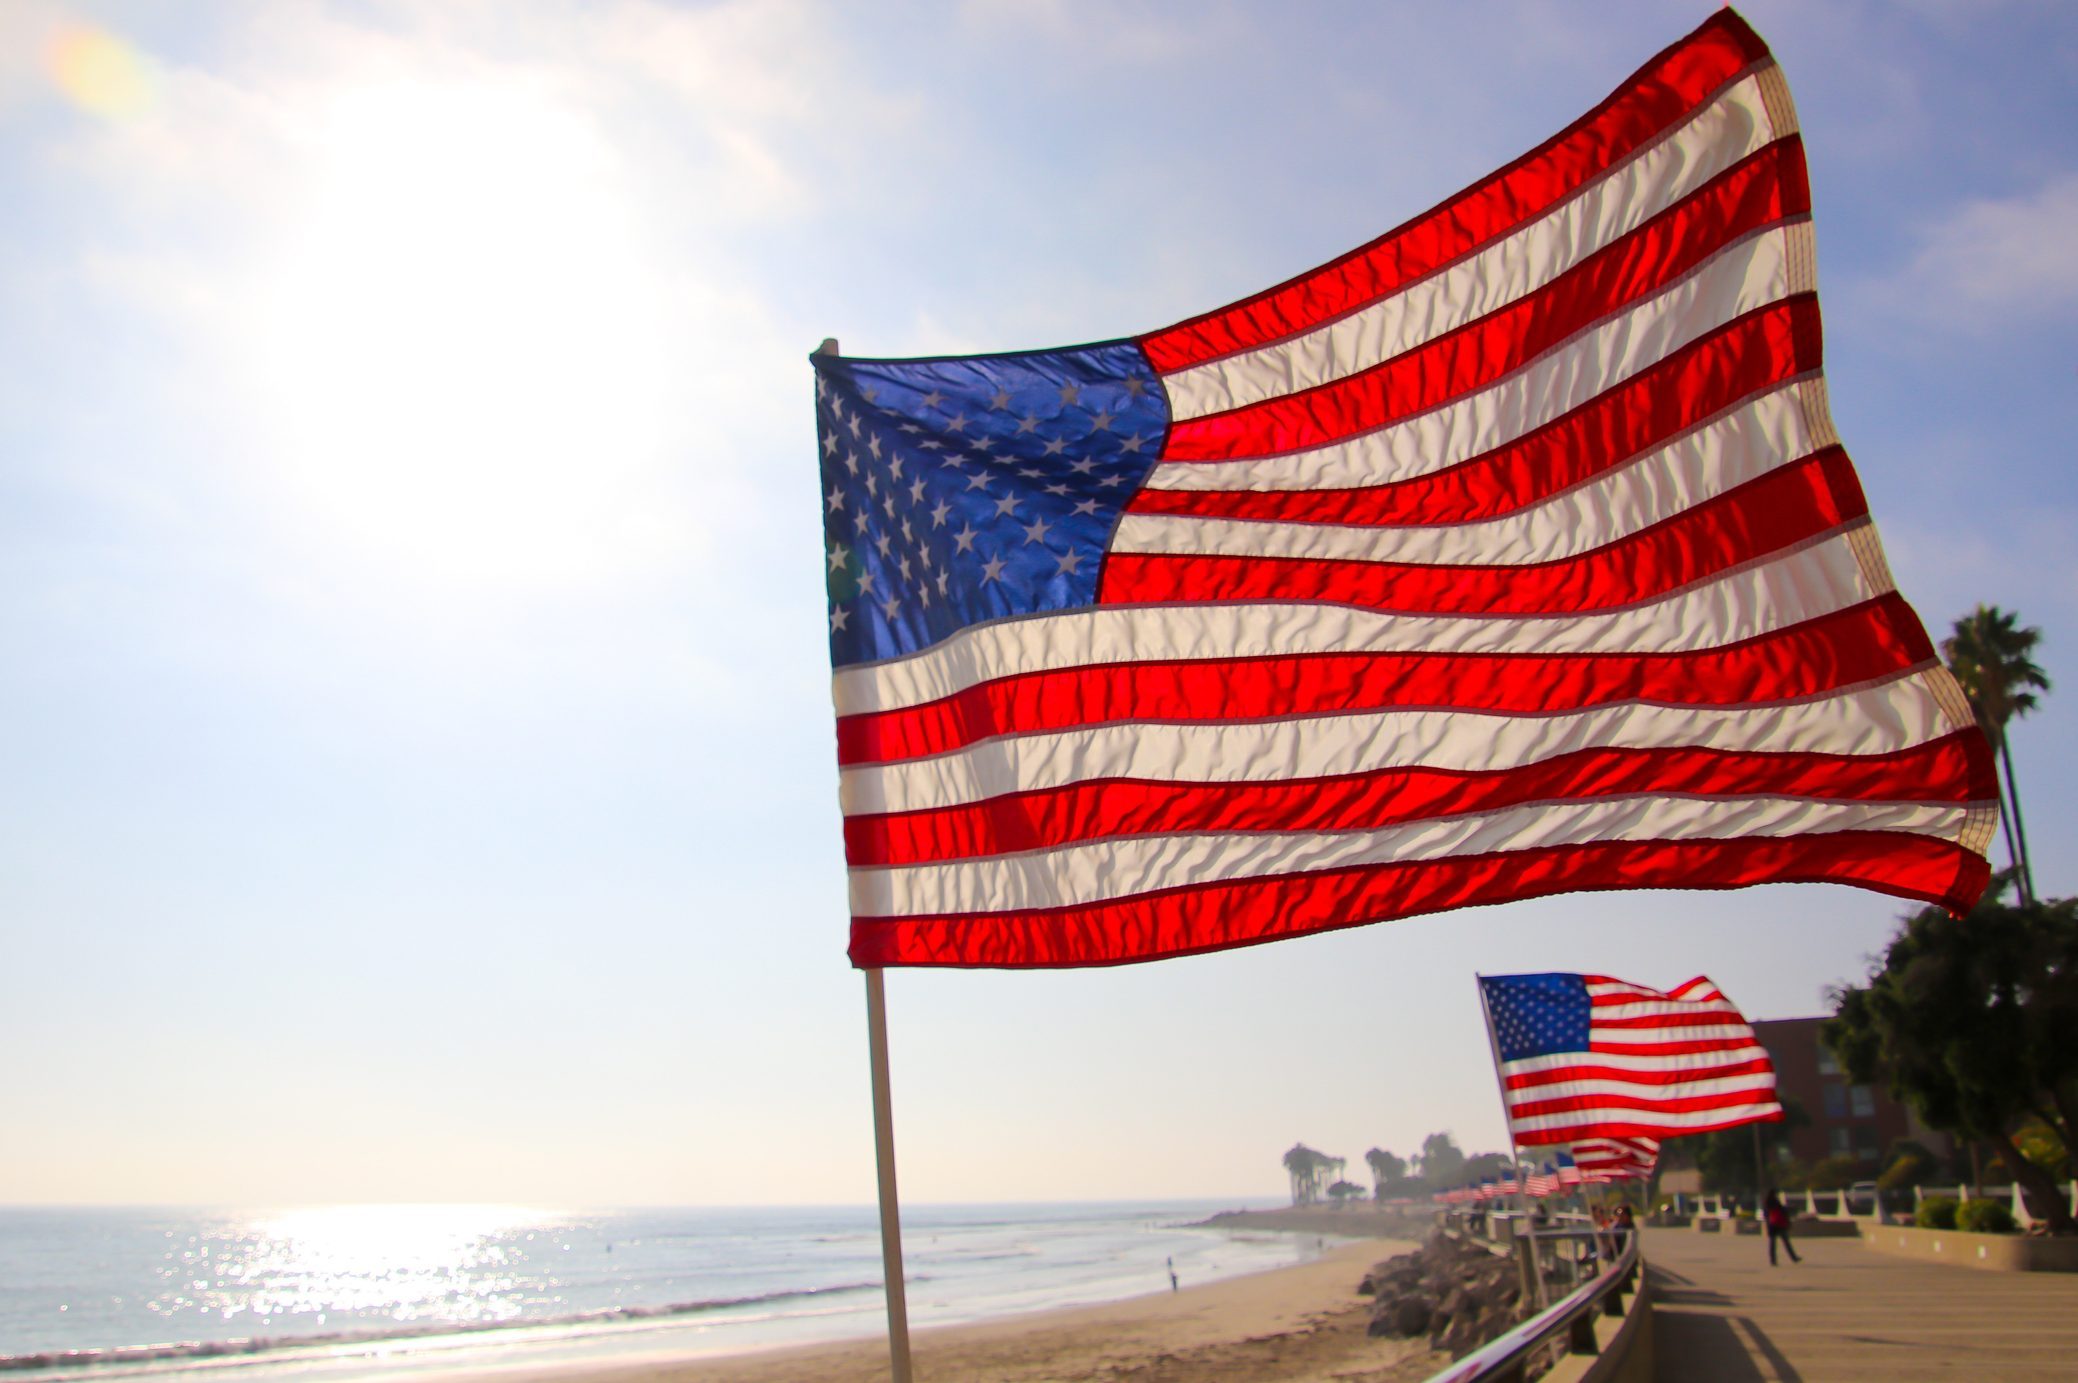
(416, 768)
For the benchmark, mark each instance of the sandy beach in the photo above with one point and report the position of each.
(1303, 1324)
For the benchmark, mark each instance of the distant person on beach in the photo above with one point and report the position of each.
(1775, 1216)
(1172, 1275)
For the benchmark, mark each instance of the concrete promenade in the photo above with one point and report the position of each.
(1722, 1315)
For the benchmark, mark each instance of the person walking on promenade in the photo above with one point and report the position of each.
(1775, 1216)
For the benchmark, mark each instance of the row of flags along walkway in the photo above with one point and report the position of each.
(1512, 553)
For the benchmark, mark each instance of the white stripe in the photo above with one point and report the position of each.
(1622, 1061)
(1667, 1037)
(1745, 444)
(1649, 1008)
(1749, 274)
(1879, 719)
(1798, 586)
(1650, 1118)
(1757, 1082)
(1119, 868)
(1616, 203)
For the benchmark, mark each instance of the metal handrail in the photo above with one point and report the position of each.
(1509, 1356)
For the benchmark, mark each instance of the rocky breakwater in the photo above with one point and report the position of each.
(1458, 1294)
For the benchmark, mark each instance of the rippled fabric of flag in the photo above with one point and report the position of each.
(1511, 554)
(1615, 1159)
(1612, 1067)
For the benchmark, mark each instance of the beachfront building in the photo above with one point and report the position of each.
(1861, 1122)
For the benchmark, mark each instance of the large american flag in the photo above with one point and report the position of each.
(1586, 1057)
(1511, 554)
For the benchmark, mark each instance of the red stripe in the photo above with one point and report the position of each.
(1108, 809)
(1701, 1045)
(1746, 357)
(1759, 191)
(1657, 96)
(1877, 639)
(1767, 514)
(1634, 993)
(1528, 1080)
(1619, 999)
(1667, 1020)
(1244, 912)
(1658, 1104)
(1691, 1126)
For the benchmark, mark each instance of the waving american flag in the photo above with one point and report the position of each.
(1612, 1067)
(1510, 554)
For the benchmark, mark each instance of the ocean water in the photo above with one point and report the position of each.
(354, 1292)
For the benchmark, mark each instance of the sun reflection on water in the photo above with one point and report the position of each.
(410, 1264)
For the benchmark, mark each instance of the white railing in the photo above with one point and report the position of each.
(2011, 1195)
(1861, 1206)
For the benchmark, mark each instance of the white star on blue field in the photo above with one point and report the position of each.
(960, 490)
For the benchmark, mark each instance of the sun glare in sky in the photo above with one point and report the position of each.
(97, 71)
(461, 340)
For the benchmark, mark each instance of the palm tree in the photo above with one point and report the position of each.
(1386, 1168)
(1989, 655)
(1306, 1166)
(1299, 1162)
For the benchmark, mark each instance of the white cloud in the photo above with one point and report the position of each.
(1993, 263)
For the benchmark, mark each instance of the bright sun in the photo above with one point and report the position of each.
(463, 346)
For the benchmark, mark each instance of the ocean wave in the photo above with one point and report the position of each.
(266, 1344)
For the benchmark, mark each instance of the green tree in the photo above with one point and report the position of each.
(1726, 1156)
(1480, 1166)
(2039, 1144)
(1442, 1160)
(1974, 1022)
(1991, 657)
(1833, 1173)
(1908, 1163)
(1305, 1166)
(1386, 1169)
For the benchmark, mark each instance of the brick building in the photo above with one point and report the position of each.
(1847, 1120)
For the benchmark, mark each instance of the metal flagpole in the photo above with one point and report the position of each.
(884, 1148)
(884, 1154)
(1760, 1170)
(1522, 1192)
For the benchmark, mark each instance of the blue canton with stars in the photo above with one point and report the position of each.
(974, 488)
(1538, 1015)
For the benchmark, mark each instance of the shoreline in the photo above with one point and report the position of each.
(1293, 1324)
(1347, 1222)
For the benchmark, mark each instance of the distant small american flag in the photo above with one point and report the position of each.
(1586, 1057)
(1512, 553)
